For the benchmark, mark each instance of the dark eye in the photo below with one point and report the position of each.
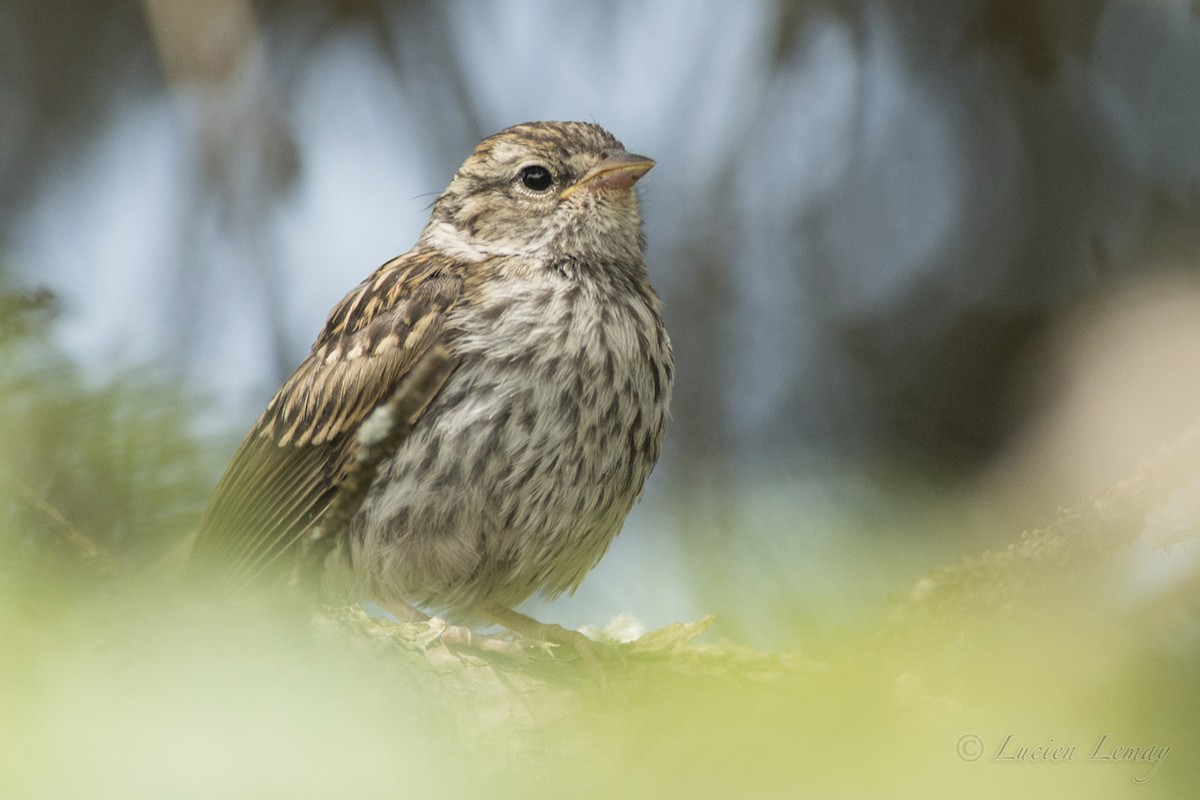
(536, 178)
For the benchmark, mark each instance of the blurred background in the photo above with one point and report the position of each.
(930, 266)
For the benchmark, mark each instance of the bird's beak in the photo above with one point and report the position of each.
(616, 170)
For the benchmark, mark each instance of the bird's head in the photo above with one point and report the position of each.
(546, 189)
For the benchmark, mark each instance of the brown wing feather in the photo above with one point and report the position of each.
(286, 471)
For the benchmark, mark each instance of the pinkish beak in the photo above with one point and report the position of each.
(617, 170)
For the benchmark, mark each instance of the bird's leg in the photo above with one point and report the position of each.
(530, 628)
(403, 611)
(451, 634)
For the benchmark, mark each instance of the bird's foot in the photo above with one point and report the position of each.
(458, 636)
(544, 633)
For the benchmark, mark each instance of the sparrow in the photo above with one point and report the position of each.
(523, 463)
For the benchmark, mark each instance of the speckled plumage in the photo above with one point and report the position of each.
(523, 466)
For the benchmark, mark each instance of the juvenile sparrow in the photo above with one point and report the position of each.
(523, 464)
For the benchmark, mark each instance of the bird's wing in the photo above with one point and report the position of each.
(286, 471)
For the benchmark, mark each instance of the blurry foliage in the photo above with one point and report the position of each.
(1017, 652)
(94, 480)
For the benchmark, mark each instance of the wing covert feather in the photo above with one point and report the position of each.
(286, 471)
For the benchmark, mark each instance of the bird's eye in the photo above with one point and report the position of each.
(536, 178)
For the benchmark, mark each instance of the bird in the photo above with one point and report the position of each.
(523, 462)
